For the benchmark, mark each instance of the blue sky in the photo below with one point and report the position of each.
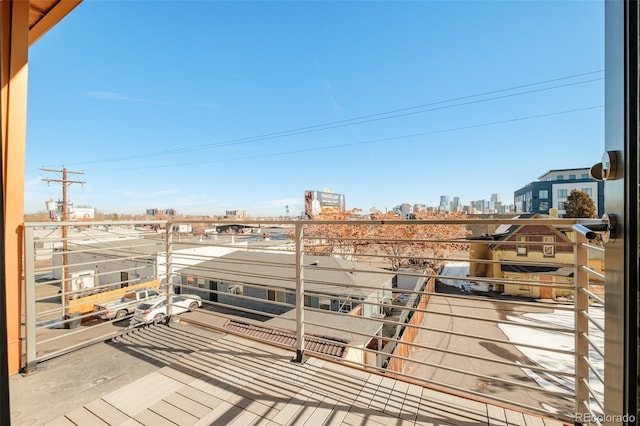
(210, 106)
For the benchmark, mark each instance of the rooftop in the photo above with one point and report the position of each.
(326, 274)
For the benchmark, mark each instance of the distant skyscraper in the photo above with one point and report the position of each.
(405, 210)
(444, 203)
(455, 205)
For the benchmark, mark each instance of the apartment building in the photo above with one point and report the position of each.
(551, 190)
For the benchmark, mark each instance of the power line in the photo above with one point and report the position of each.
(344, 145)
(403, 112)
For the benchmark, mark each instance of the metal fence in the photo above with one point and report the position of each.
(506, 311)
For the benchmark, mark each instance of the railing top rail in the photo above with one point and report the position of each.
(545, 221)
(515, 221)
(95, 223)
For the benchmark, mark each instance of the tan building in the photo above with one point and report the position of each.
(528, 260)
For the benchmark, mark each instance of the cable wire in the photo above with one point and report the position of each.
(391, 138)
(403, 112)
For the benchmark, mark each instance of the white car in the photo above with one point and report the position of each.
(154, 311)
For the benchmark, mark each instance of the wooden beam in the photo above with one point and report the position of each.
(13, 107)
(51, 18)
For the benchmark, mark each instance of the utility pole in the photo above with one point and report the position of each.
(65, 256)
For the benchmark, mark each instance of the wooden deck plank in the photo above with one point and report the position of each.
(234, 375)
(352, 419)
(244, 419)
(456, 409)
(368, 390)
(205, 360)
(187, 404)
(397, 392)
(338, 414)
(514, 418)
(412, 399)
(292, 407)
(264, 407)
(223, 414)
(82, 416)
(173, 413)
(552, 422)
(107, 412)
(409, 409)
(199, 396)
(149, 418)
(382, 394)
(181, 373)
(323, 411)
(60, 421)
(261, 390)
(130, 422)
(533, 420)
(305, 412)
(370, 417)
(496, 416)
(344, 388)
(137, 396)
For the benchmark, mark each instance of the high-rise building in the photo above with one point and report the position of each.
(455, 204)
(444, 203)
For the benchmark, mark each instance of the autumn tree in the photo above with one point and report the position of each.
(345, 240)
(579, 204)
(397, 244)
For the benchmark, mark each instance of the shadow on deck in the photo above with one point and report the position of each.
(180, 374)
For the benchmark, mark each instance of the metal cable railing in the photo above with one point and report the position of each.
(509, 319)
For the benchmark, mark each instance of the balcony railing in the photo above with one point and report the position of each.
(505, 311)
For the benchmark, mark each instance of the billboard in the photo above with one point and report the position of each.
(319, 203)
(81, 213)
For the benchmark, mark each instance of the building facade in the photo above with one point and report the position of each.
(551, 190)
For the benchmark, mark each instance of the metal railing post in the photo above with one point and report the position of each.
(168, 273)
(299, 294)
(581, 327)
(30, 299)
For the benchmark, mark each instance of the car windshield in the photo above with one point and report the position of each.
(144, 306)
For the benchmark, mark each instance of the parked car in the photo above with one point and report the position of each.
(126, 305)
(154, 311)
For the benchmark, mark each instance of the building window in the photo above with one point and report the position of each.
(560, 177)
(588, 191)
(344, 306)
(572, 177)
(562, 193)
(521, 249)
(544, 206)
(124, 279)
(561, 205)
(585, 176)
(524, 287)
(549, 248)
(543, 194)
(276, 296)
(325, 303)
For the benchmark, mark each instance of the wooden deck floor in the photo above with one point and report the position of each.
(235, 381)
